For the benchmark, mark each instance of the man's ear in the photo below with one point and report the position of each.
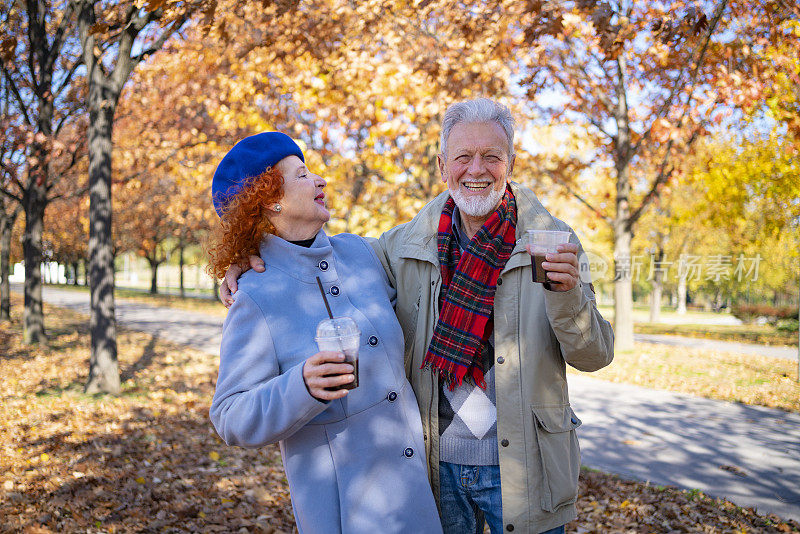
(511, 166)
(440, 161)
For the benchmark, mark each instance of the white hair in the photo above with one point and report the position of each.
(478, 110)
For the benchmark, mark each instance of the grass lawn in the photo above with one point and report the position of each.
(749, 379)
(745, 333)
(701, 324)
(149, 460)
(641, 314)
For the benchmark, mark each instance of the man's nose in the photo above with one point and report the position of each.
(476, 165)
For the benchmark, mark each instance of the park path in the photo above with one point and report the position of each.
(749, 455)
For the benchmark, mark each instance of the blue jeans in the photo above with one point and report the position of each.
(470, 495)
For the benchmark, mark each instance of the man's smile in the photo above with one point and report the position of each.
(476, 185)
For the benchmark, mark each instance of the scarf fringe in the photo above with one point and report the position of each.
(453, 374)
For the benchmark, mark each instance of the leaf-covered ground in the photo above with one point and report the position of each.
(149, 460)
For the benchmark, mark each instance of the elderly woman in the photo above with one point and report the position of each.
(354, 458)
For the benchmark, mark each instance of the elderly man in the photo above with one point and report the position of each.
(485, 346)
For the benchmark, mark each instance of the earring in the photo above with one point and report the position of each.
(278, 208)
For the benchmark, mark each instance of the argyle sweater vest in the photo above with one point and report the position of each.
(468, 414)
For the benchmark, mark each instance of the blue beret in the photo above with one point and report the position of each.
(249, 157)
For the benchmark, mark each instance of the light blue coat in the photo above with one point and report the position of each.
(354, 465)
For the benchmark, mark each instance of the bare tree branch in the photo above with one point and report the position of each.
(68, 78)
(58, 36)
(159, 43)
(163, 161)
(580, 198)
(577, 196)
(13, 86)
(9, 194)
(679, 82)
(603, 98)
(663, 176)
(63, 120)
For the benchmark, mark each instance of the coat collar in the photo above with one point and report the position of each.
(299, 262)
(420, 236)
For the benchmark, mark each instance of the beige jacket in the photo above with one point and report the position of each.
(536, 333)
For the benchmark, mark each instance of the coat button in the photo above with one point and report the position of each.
(323, 265)
(504, 443)
(409, 452)
(335, 290)
(501, 360)
(574, 421)
(372, 340)
(499, 281)
(392, 396)
(509, 527)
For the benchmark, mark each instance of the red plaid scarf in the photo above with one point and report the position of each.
(466, 301)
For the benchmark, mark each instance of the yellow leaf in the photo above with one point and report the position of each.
(225, 500)
(625, 503)
(214, 455)
(201, 515)
(140, 480)
(44, 457)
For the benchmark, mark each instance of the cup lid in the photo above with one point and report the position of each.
(337, 327)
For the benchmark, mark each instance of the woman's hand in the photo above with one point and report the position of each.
(326, 370)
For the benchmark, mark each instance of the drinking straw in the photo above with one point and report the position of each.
(330, 314)
(324, 298)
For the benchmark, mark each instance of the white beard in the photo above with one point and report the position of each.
(477, 206)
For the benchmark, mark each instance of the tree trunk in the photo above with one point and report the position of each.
(6, 226)
(681, 309)
(623, 224)
(623, 288)
(85, 272)
(153, 275)
(33, 315)
(180, 266)
(103, 366)
(75, 265)
(658, 283)
(655, 302)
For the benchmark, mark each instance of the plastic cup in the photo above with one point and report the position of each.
(544, 242)
(341, 334)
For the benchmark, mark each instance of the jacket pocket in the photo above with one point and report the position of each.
(559, 455)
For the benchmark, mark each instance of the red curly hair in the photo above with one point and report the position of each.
(243, 223)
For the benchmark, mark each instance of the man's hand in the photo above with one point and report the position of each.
(326, 370)
(562, 267)
(229, 285)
